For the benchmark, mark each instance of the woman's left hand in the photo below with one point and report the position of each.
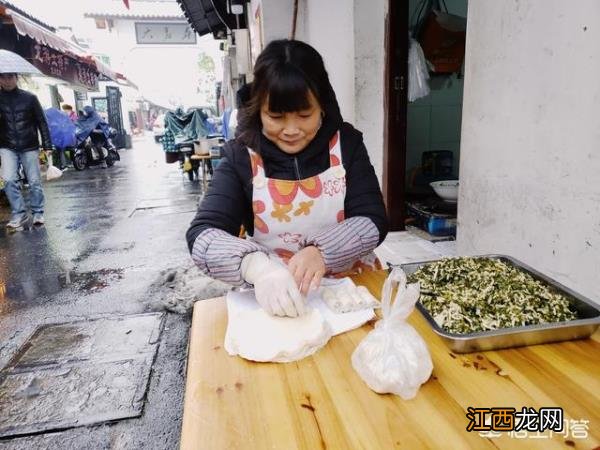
(307, 267)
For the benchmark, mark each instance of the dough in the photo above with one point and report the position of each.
(343, 296)
(368, 301)
(331, 299)
(255, 335)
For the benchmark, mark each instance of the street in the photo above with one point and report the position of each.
(113, 245)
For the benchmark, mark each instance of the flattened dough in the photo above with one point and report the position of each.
(255, 335)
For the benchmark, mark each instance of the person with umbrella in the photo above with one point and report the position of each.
(21, 117)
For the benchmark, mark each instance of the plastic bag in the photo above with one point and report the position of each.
(418, 73)
(53, 171)
(187, 165)
(393, 358)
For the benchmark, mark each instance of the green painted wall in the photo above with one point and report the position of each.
(433, 122)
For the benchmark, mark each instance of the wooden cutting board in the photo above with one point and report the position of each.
(320, 402)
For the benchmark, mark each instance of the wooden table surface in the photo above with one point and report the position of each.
(320, 401)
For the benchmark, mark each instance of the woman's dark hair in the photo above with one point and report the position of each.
(285, 72)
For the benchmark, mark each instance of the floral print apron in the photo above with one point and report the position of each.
(287, 212)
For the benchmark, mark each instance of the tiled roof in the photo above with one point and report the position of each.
(26, 14)
(138, 10)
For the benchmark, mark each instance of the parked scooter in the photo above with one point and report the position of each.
(94, 144)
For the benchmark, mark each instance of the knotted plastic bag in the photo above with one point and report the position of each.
(187, 165)
(393, 358)
(53, 171)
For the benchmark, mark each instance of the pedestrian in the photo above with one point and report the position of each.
(68, 110)
(21, 117)
(299, 180)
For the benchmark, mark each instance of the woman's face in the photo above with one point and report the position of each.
(291, 131)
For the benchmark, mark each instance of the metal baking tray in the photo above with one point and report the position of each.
(581, 328)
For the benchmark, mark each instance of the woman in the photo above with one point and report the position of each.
(298, 179)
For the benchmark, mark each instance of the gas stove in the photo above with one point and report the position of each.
(433, 215)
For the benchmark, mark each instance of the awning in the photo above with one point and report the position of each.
(122, 79)
(103, 68)
(210, 16)
(26, 27)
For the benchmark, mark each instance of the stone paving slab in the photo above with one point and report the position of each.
(79, 373)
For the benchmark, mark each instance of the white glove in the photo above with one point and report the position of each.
(274, 286)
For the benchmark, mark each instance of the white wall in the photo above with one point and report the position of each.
(530, 153)
(329, 27)
(277, 19)
(369, 76)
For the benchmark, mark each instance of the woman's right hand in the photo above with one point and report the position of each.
(274, 286)
(307, 267)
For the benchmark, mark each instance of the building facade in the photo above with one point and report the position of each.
(153, 43)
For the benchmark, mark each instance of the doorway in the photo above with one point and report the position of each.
(422, 137)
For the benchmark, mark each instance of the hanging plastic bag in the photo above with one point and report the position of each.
(393, 358)
(187, 165)
(418, 73)
(53, 171)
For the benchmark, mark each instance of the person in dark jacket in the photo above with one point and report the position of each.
(21, 117)
(299, 180)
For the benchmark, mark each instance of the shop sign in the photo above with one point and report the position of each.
(59, 65)
(164, 33)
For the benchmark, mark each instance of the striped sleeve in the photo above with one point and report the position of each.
(219, 255)
(345, 242)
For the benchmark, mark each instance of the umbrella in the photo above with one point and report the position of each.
(12, 63)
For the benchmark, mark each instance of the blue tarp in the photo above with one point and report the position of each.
(88, 122)
(184, 126)
(62, 129)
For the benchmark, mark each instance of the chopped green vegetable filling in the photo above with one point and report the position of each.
(467, 295)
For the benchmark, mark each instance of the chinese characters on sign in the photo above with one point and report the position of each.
(527, 423)
(164, 33)
(58, 65)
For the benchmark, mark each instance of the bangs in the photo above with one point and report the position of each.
(288, 91)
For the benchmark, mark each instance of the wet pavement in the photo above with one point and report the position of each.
(113, 245)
